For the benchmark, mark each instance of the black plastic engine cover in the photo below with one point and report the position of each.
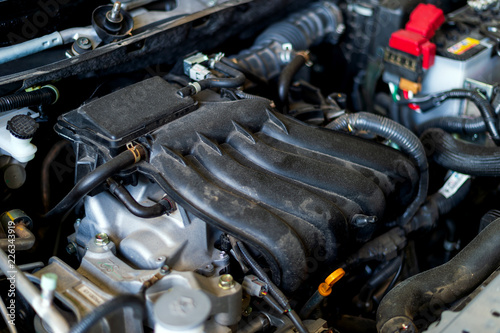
(286, 188)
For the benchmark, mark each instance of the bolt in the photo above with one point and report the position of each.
(101, 239)
(71, 248)
(165, 269)
(84, 43)
(222, 254)
(114, 14)
(226, 281)
(78, 221)
(48, 284)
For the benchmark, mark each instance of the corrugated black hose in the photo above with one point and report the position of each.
(400, 135)
(458, 125)
(460, 156)
(43, 96)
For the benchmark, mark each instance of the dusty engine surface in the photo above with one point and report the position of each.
(249, 166)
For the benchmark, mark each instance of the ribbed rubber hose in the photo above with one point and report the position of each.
(42, 96)
(94, 179)
(400, 135)
(460, 156)
(416, 298)
(455, 125)
(115, 304)
(319, 22)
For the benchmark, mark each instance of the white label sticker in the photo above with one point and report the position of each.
(90, 295)
(453, 183)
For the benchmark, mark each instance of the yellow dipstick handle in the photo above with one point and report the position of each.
(325, 288)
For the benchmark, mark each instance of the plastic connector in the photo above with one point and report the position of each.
(253, 286)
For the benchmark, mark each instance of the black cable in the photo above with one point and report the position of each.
(122, 194)
(96, 178)
(42, 96)
(396, 277)
(235, 79)
(273, 289)
(273, 304)
(115, 304)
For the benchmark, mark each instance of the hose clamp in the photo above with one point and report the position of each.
(196, 86)
(135, 151)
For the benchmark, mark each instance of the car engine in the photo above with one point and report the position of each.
(244, 166)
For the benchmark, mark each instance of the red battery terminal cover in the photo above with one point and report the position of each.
(414, 40)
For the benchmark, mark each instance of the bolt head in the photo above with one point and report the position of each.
(101, 239)
(70, 248)
(84, 43)
(226, 281)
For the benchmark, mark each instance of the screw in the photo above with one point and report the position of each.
(78, 221)
(71, 248)
(226, 281)
(84, 43)
(164, 269)
(222, 254)
(114, 14)
(101, 239)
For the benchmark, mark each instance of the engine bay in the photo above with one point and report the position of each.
(244, 166)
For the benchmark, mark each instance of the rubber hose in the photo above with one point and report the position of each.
(457, 125)
(42, 96)
(400, 135)
(461, 156)
(259, 323)
(488, 218)
(94, 179)
(445, 205)
(132, 205)
(273, 289)
(418, 296)
(312, 303)
(115, 304)
(379, 278)
(235, 79)
(287, 76)
(436, 206)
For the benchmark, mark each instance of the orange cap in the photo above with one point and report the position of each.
(325, 288)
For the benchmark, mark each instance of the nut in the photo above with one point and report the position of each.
(101, 239)
(226, 281)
